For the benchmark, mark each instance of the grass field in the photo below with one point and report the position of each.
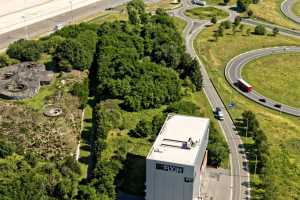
(206, 13)
(296, 8)
(219, 2)
(269, 10)
(283, 131)
(165, 4)
(276, 77)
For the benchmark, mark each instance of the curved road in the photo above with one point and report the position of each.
(235, 66)
(286, 9)
(240, 181)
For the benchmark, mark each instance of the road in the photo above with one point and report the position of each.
(240, 181)
(286, 9)
(235, 66)
(47, 25)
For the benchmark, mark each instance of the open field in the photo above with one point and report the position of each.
(283, 132)
(179, 23)
(296, 8)
(269, 10)
(206, 13)
(219, 2)
(276, 77)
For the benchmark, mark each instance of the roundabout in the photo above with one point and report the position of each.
(233, 74)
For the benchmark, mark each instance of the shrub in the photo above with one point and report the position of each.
(24, 50)
(5, 60)
(142, 129)
(226, 24)
(260, 30)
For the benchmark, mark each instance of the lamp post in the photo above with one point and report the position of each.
(26, 28)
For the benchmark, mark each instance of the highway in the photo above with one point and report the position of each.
(235, 66)
(240, 181)
(47, 25)
(286, 9)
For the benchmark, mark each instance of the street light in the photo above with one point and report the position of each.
(71, 5)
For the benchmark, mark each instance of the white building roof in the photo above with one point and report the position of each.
(177, 130)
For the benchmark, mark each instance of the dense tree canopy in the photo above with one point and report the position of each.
(25, 50)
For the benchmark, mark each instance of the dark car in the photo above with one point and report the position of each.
(262, 100)
(277, 105)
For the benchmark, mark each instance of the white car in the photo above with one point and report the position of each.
(199, 2)
(219, 114)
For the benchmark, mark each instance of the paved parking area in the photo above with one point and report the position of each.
(215, 184)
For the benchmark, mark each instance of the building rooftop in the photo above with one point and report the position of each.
(179, 139)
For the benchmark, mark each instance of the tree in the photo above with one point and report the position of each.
(237, 20)
(214, 20)
(242, 5)
(24, 50)
(260, 30)
(50, 45)
(135, 10)
(87, 192)
(157, 122)
(226, 2)
(216, 35)
(275, 31)
(250, 122)
(71, 52)
(183, 107)
(250, 13)
(241, 27)
(226, 24)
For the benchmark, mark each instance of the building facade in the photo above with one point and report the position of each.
(175, 165)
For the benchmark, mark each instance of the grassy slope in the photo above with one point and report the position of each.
(283, 131)
(276, 76)
(296, 8)
(179, 23)
(219, 2)
(166, 4)
(269, 10)
(206, 13)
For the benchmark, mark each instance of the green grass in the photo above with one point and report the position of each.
(165, 4)
(280, 129)
(180, 24)
(276, 77)
(296, 8)
(269, 10)
(206, 13)
(108, 17)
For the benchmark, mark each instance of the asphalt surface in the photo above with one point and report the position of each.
(286, 9)
(48, 25)
(240, 181)
(235, 66)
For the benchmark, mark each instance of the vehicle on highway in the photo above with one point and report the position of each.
(199, 2)
(244, 86)
(262, 100)
(58, 26)
(277, 105)
(219, 114)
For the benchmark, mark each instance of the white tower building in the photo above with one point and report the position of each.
(176, 163)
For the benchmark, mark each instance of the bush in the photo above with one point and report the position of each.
(183, 107)
(242, 5)
(81, 90)
(6, 148)
(142, 129)
(25, 50)
(260, 30)
(214, 19)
